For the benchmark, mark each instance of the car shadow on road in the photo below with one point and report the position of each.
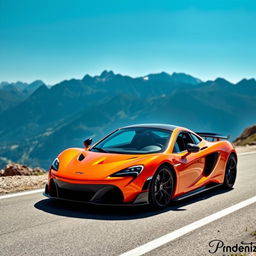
(89, 211)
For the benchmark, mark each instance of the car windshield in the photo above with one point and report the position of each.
(137, 140)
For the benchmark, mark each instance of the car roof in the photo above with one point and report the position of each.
(158, 126)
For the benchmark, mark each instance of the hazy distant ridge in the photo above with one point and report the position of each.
(35, 128)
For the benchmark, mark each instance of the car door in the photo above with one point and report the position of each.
(190, 167)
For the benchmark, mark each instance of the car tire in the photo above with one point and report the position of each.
(230, 172)
(161, 188)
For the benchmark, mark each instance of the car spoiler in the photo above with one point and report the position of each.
(212, 136)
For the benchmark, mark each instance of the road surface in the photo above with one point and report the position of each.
(34, 225)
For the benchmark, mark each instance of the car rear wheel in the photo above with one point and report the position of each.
(230, 172)
(161, 188)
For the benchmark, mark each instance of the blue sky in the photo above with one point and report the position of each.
(54, 40)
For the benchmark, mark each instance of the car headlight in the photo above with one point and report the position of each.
(55, 164)
(130, 171)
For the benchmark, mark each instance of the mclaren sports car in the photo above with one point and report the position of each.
(143, 164)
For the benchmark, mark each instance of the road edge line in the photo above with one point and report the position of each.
(156, 243)
(246, 153)
(29, 192)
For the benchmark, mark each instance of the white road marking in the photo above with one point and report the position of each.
(22, 193)
(172, 235)
(184, 230)
(246, 153)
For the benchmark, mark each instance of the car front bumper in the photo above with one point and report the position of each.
(100, 194)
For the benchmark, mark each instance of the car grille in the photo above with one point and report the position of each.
(96, 193)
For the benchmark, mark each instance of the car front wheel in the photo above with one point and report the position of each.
(161, 188)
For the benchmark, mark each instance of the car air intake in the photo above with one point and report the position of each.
(81, 157)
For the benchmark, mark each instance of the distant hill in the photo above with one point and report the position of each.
(20, 86)
(13, 93)
(247, 137)
(51, 119)
(175, 78)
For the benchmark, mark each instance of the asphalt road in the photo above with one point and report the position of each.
(34, 225)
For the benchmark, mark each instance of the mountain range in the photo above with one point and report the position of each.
(13, 93)
(38, 121)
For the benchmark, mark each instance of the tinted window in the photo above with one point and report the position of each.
(196, 139)
(137, 140)
(181, 143)
(177, 148)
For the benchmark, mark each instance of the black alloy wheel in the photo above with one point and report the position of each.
(161, 188)
(230, 172)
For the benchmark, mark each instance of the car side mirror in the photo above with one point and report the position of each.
(192, 148)
(87, 143)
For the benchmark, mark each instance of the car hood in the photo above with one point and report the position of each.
(97, 166)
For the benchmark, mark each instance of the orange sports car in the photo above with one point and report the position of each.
(143, 164)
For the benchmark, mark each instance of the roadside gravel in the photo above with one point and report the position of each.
(11, 184)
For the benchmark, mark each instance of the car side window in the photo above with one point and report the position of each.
(195, 138)
(186, 138)
(176, 148)
(181, 143)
